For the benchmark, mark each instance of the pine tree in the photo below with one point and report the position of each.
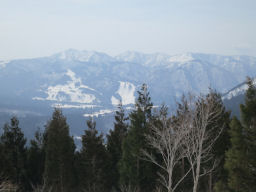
(14, 153)
(236, 161)
(218, 179)
(248, 119)
(35, 160)
(114, 145)
(133, 170)
(240, 158)
(59, 154)
(93, 168)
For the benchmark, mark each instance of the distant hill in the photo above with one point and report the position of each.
(90, 83)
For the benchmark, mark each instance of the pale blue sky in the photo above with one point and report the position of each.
(32, 28)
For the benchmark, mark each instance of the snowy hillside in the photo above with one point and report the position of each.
(237, 90)
(89, 83)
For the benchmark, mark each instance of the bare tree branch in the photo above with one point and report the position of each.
(166, 138)
(204, 130)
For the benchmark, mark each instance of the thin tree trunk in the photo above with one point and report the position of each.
(170, 182)
(198, 164)
(210, 182)
(196, 180)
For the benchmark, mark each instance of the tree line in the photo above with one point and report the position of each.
(197, 148)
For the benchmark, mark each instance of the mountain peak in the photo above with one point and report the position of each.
(181, 58)
(154, 59)
(82, 55)
(131, 56)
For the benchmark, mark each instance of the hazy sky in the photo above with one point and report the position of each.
(31, 28)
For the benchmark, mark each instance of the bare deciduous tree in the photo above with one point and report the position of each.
(166, 138)
(190, 134)
(203, 132)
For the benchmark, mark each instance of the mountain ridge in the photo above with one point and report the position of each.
(91, 82)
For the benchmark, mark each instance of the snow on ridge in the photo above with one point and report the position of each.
(126, 91)
(131, 56)
(69, 92)
(151, 60)
(72, 54)
(181, 58)
(83, 56)
(238, 91)
(101, 112)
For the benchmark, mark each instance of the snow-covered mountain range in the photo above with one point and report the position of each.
(91, 83)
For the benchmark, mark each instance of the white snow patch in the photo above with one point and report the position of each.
(114, 101)
(238, 91)
(72, 91)
(67, 106)
(101, 112)
(75, 80)
(3, 63)
(129, 108)
(181, 58)
(83, 56)
(78, 138)
(126, 91)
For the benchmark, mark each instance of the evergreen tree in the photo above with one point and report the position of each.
(59, 154)
(14, 153)
(114, 145)
(236, 160)
(240, 161)
(94, 158)
(35, 160)
(133, 170)
(248, 119)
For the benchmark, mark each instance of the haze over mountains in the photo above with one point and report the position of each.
(87, 83)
